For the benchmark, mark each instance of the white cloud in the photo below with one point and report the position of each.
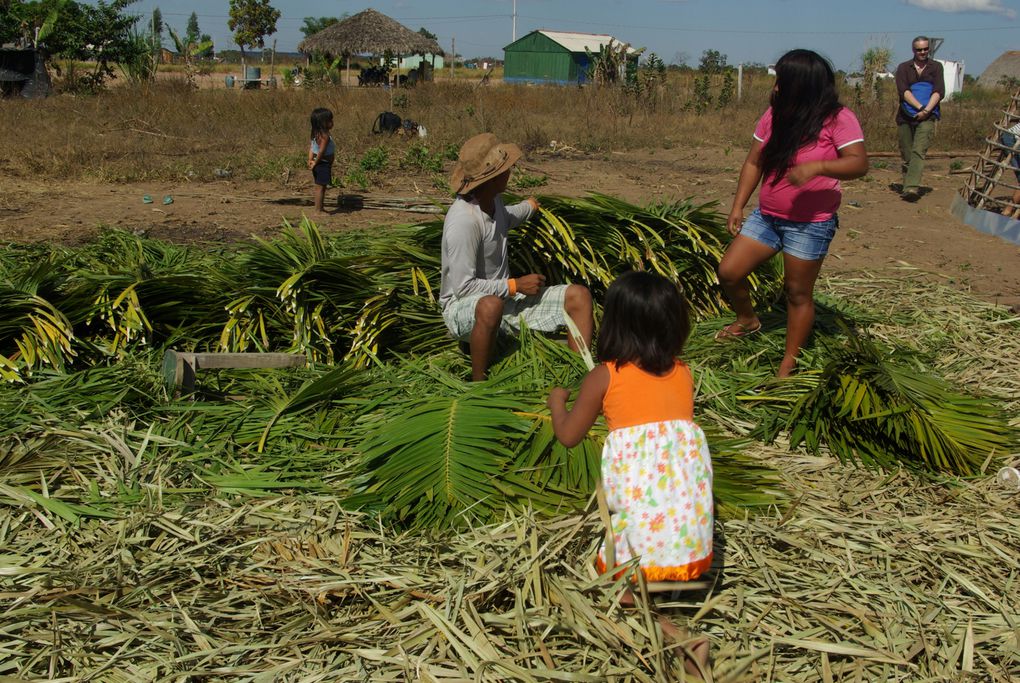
(990, 6)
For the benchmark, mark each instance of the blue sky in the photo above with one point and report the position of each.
(975, 31)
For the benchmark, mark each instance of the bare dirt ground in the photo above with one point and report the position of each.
(879, 233)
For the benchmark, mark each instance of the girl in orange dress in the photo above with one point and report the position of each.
(656, 468)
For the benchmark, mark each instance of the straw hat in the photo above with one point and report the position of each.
(482, 158)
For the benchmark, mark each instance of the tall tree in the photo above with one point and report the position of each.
(28, 23)
(189, 51)
(251, 21)
(874, 61)
(10, 30)
(100, 35)
(207, 53)
(315, 24)
(712, 62)
(428, 34)
(192, 32)
(156, 26)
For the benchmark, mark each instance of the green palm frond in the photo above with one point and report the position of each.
(33, 329)
(883, 409)
(294, 292)
(437, 451)
(740, 481)
(592, 239)
(141, 290)
(32, 333)
(441, 459)
(402, 314)
(314, 393)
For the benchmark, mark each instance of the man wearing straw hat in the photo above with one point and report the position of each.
(478, 295)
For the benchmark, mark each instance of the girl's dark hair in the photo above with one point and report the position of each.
(320, 117)
(645, 321)
(804, 99)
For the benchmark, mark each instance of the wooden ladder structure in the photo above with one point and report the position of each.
(987, 174)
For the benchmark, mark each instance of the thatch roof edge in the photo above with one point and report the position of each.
(369, 32)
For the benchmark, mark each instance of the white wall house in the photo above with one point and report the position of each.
(413, 61)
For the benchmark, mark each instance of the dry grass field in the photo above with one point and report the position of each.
(234, 162)
(166, 131)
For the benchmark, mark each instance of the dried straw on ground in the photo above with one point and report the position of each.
(368, 32)
(864, 577)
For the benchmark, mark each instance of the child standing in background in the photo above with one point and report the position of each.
(321, 154)
(656, 468)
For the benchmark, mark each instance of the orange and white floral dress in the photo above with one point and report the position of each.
(657, 473)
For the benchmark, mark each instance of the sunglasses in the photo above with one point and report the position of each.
(921, 49)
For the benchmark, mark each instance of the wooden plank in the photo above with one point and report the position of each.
(248, 360)
(173, 370)
(179, 367)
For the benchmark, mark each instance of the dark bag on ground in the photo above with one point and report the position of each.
(387, 122)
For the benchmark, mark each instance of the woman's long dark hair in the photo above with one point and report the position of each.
(645, 322)
(320, 117)
(804, 99)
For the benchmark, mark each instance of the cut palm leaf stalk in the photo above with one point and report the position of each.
(312, 394)
(578, 339)
(142, 291)
(883, 409)
(294, 586)
(341, 298)
(869, 406)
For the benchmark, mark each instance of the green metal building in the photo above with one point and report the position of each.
(559, 57)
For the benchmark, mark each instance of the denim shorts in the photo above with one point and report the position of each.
(806, 241)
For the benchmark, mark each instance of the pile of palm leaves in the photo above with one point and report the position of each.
(330, 299)
(368, 301)
(377, 516)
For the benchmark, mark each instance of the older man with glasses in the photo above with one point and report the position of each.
(921, 86)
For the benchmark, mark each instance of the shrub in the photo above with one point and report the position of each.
(375, 159)
(419, 158)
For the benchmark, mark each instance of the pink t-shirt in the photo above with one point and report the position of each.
(818, 199)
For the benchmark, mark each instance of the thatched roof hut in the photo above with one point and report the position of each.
(1007, 67)
(368, 32)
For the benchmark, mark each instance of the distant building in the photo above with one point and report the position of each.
(412, 61)
(1003, 72)
(559, 57)
(23, 73)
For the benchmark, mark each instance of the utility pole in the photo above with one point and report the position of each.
(453, 55)
(515, 21)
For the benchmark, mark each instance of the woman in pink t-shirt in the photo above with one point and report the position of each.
(804, 144)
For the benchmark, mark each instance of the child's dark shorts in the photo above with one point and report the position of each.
(323, 174)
